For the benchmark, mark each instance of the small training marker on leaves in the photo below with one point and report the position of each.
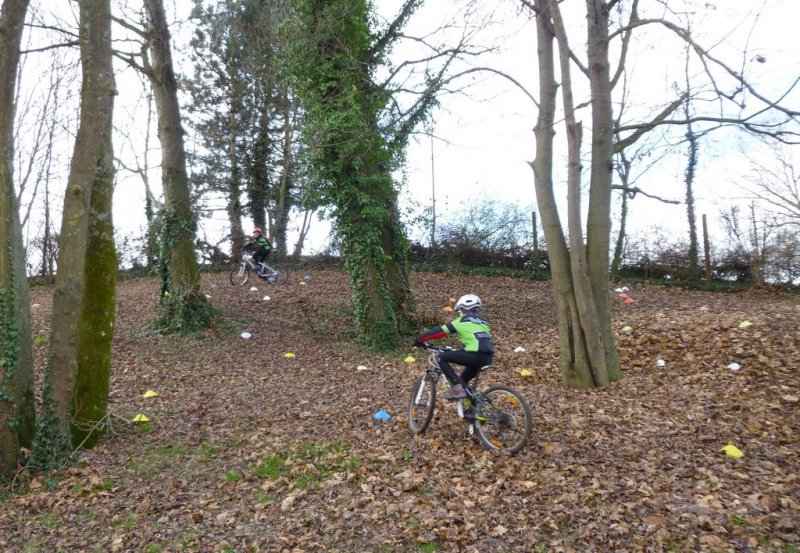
(382, 415)
(734, 367)
(745, 324)
(627, 328)
(289, 355)
(36, 305)
(254, 289)
(140, 418)
(208, 297)
(519, 349)
(732, 451)
(246, 335)
(266, 298)
(409, 359)
(302, 283)
(150, 393)
(525, 372)
(447, 309)
(362, 368)
(661, 363)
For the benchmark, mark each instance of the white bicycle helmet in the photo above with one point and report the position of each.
(467, 302)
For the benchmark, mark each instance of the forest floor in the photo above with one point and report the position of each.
(251, 450)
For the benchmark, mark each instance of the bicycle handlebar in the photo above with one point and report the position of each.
(434, 347)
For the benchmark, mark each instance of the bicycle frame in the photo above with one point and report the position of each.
(471, 389)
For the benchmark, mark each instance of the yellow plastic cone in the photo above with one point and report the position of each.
(525, 372)
(409, 359)
(150, 393)
(745, 324)
(302, 283)
(361, 368)
(289, 355)
(627, 328)
(732, 451)
(140, 418)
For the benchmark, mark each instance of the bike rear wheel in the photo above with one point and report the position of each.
(423, 401)
(503, 419)
(281, 275)
(240, 275)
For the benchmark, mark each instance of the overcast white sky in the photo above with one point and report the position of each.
(484, 140)
(483, 144)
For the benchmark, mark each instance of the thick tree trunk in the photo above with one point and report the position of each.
(185, 307)
(90, 161)
(354, 160)
(98, 308)
(17, 401)
(584, 360)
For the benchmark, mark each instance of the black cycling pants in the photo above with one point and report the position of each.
(260, 255)
(472, 361)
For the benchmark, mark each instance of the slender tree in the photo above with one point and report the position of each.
(185, 308)
(17, 402)
(91, 166)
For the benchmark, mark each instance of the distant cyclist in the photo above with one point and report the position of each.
(261, 249)
(475, 335)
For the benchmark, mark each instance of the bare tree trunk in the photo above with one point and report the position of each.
(574, 370)
(706, 250)
(308, 216)
(580, 276)
(235, 184)
(90, 162)
(598, 229)
(624, 172)
(17, 401)
(185, 307)
(287, 178)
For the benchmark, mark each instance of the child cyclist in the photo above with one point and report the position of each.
(477, 351)
(261, 248)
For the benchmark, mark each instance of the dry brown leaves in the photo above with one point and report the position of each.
(249, 450)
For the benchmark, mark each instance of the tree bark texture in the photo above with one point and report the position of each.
(91, 160)
(17, 400)
(580, 273)
(354, 160)
(98, 308)
(183, 281)
(598, 237)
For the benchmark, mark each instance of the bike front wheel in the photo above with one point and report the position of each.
(240, 275)
(423, 400)
(281, 275)
(503, 419)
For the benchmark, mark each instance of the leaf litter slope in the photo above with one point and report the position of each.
(251, 450)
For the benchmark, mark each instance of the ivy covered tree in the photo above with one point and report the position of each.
(352, 159)
(17, 402)
(184, 307)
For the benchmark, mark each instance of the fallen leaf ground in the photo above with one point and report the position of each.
(249, 450)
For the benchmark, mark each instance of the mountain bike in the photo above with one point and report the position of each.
(500, 415)
(273, 273)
